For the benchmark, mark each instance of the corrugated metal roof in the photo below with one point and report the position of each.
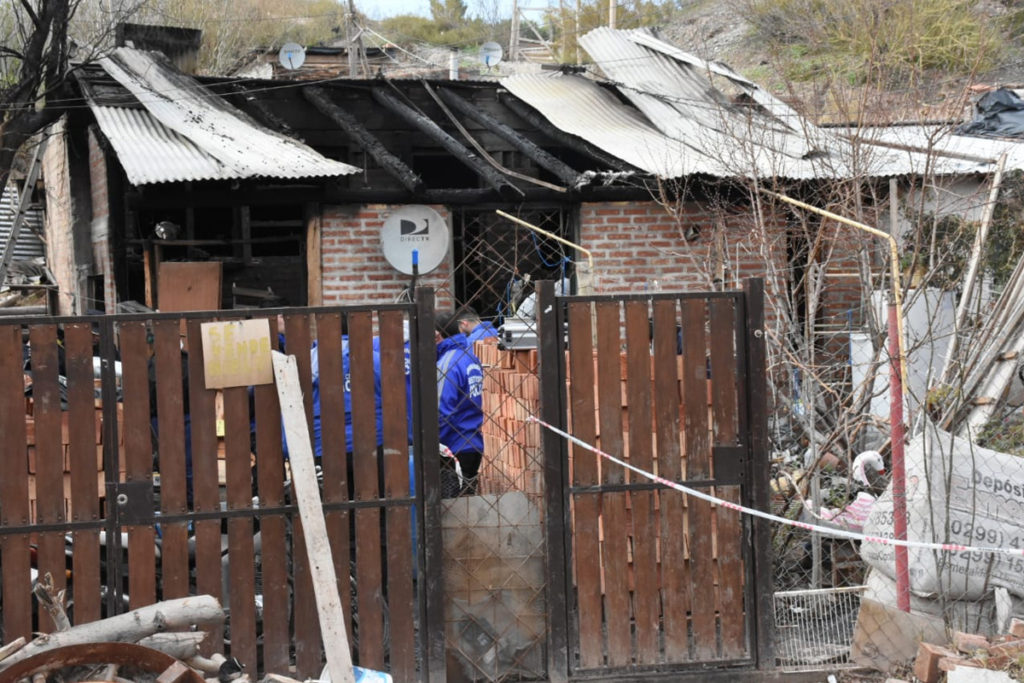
(682, 124)
(150, 152)
(200, 136)
(956, 154)
(28, 246)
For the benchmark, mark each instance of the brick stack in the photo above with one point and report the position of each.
(512, 454)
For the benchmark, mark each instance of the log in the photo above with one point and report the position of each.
(170, 615)
(356, 132)
(541, 156)
(429, 128)
(11, 647)
(177, 645)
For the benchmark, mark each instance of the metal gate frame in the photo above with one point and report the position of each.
(753, 438)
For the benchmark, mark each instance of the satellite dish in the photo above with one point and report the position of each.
(417, 229)
(490, 54)
(291, 55)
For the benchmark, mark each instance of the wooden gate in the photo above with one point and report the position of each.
(125, 476)
(657, 581)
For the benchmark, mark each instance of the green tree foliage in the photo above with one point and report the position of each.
(449, 27)
(233, 28)
(896, 37)
(566, 24)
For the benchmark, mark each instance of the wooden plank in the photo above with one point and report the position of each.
(401, 593)
(240, 529)
(325, 581)
(335, 458)
(189, 285)
(675, 575)
(646, 593)
(367, 488)
(586, 539)
(314, 257)
(171, 410)
(729, 540)
(15, 578)
(50, 506)
(85, 500)
(698, 466)
(277, 602)
(206, 492)
(307, 641)
(138, 446)
(614, 515)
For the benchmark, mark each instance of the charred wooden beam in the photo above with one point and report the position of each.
(571, 141)
(356, 132)
(542, 157)
(263, 112)
(490, 175)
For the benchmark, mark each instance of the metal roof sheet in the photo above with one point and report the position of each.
(150, 152)
(682, 124)
(29, 245)
(218, 134)
(954, 154)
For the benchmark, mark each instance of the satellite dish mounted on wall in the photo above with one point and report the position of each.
(490, 54)
(417, 229)
(291, 55)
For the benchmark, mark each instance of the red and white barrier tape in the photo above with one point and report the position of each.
(823, 530)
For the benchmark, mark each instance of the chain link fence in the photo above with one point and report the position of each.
(493, 511)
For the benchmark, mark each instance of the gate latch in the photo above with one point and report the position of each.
(133, 502)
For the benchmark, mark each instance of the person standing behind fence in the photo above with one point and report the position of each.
(470, 325)
(459, 402)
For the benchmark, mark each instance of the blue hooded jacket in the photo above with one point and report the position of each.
(482, 331)
(460, 383)
(345, 369)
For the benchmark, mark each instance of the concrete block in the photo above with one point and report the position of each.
(963, 674)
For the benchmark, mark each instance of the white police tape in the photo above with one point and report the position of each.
(823, 530)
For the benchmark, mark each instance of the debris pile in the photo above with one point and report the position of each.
(164, 642)
(1003, 654)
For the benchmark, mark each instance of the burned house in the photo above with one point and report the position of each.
(638, 171)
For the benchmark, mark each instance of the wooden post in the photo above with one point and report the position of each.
(307, 491)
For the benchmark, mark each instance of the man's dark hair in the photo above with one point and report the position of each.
(467, 313)
(446, 323)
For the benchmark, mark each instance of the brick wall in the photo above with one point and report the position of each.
(638, 246)
(102, 257)
(60, 251)
(354, 269)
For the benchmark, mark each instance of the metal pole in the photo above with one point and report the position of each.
(899, 490)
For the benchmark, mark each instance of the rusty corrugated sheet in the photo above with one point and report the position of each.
(217, 131)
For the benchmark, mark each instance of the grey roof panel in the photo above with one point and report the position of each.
(225, 134)
(28, 246)
(150, 152)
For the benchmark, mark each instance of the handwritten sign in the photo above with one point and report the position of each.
(237, 353)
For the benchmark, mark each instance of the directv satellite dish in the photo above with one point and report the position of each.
(490, 54)
(417, 229)
(291, 56)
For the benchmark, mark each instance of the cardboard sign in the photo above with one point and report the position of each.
(237, 353)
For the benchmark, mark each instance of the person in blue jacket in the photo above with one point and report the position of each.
(347, 379)
(470, 325)
(459, 400)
